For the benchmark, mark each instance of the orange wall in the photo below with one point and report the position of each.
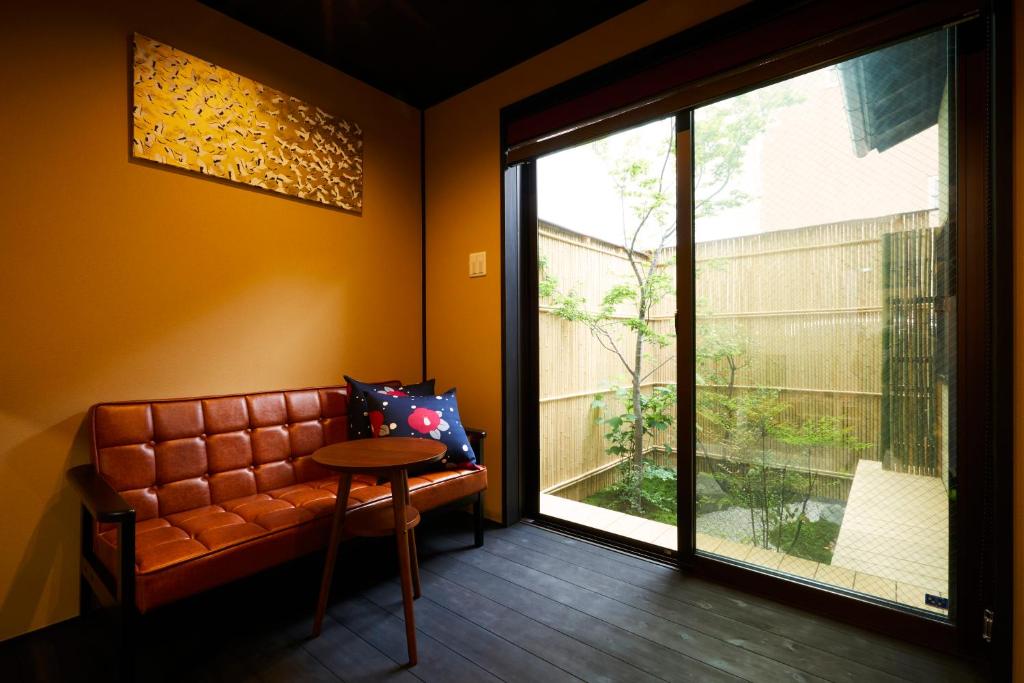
(464, 206)
(121, 280)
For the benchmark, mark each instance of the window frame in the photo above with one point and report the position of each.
(983, 400)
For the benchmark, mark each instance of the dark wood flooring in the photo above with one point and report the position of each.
(531, 605)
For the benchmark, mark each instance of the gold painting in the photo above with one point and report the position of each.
(197, 116)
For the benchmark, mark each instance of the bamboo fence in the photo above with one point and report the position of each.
(812, 307)
(910, 333)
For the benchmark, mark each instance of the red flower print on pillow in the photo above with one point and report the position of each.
(359, 426)
(423, 417)
(427, 421)
(376, 422)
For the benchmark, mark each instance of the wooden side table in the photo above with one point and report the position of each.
(391, 457)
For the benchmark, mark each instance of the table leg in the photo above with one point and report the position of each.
(414, 560)
(399, 493)
(340, 505)
(414, 557)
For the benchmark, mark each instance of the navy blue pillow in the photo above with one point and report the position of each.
(358, 420)
(425, 417)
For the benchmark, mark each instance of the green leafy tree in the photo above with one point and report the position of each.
(775, 490)
(656, 415)
(723, 133)
(621, 322)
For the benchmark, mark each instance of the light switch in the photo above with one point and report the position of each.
(478, 264)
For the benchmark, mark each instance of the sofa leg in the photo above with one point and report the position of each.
(478, 521)
(85, 598)
(126, 618)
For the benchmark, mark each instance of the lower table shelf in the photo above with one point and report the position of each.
(378, 521)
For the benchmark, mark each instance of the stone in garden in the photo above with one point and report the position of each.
(832, 513)
(710, 495)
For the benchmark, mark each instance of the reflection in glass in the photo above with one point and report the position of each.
(824, 325)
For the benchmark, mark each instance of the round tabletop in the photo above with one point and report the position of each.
(386, 453)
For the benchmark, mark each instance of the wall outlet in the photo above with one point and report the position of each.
(478, 264)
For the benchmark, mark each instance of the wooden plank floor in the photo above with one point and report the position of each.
(531, 605)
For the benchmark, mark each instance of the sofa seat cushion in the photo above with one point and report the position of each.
(255, 508)
(429, 490)
(166, 541)
(316, 500)
(162, 542)
(159, 544)
(200, 520)
(359, 495)
(160, 555)
(437, 477)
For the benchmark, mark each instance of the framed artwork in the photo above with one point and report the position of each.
(194, 115)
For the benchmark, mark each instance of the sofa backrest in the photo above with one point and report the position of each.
(172, 455)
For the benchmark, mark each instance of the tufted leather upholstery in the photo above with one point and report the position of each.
(224, 486)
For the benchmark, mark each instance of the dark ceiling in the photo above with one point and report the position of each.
(422, 51)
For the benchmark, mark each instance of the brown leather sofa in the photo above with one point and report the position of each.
(185, 495)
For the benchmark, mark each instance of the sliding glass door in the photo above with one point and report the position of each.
(606, 259)
(817, 302)
(825, 333)
(755, 322)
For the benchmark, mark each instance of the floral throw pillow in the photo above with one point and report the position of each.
(358, 410)
(425, 417)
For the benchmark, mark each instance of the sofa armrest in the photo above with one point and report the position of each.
(105, 504)
(102, 503)
(476, 440)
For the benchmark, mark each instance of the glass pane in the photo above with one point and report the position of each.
(825, 330)
(606, 246)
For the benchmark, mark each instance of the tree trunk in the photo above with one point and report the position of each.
(803, 509)
(803, 513)
(638, 416)
(764, 491)
(638, 431)
(749, 493)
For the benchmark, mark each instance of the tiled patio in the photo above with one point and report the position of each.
(890, 585)
(637, 528)
(896, 526)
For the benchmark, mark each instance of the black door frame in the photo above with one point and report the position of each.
(985, 408)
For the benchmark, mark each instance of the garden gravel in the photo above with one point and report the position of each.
(733, 523)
